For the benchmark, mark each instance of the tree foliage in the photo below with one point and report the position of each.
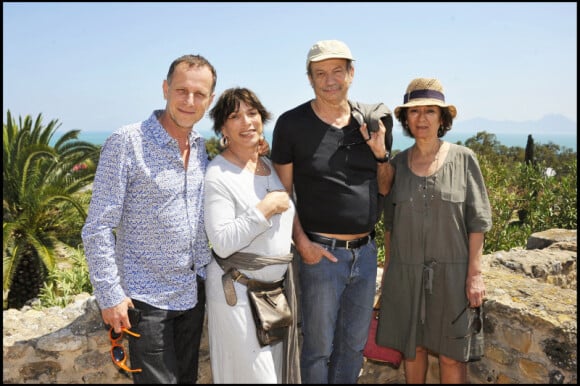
(212, 147)
(41, 200)
(525, 199)
(529, 190)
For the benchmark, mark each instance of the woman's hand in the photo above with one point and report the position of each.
(475, 288)
(275, 202)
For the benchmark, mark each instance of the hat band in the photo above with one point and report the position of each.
(432, 94)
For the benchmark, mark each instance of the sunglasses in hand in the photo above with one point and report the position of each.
(475, 324)
(118, 354)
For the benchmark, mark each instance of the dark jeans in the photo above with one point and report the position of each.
(168, 349)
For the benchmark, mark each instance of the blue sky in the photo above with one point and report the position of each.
(98, 66)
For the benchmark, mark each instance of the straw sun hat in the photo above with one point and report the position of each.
(425, 92)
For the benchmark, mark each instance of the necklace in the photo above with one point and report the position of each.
(425, 169)
(261, 169)
(425, 193)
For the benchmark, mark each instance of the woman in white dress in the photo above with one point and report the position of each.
(246, 210)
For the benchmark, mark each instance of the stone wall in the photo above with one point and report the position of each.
(530, 328)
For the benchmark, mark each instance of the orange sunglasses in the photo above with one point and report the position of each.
(118, 352)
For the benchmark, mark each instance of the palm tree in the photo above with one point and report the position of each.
(42, 199)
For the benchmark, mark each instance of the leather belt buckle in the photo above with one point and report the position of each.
(351, 244)
(237, 275)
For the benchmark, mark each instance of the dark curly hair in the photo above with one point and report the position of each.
(229, 102)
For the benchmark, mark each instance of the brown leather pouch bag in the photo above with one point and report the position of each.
(272, 314)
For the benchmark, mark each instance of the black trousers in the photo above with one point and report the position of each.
(168, 349)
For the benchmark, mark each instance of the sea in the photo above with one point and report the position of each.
(401, 142)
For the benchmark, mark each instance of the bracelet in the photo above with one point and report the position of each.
(386, 158)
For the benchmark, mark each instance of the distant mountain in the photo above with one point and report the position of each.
(553, 123)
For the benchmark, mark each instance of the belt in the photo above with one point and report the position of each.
(335, 243)
(233, 275)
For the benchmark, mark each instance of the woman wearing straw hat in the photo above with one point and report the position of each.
(435, 219)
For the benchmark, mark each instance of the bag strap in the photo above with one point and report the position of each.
(233, 275)
(228, 280)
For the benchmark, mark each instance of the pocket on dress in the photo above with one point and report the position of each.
(453, 196)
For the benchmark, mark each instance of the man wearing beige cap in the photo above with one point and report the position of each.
(333, 155)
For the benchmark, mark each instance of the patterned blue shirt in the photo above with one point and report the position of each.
(144, 236)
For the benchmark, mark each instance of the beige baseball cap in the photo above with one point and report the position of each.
(328, 49)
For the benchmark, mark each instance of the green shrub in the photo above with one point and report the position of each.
(524, 200)
(70, 279)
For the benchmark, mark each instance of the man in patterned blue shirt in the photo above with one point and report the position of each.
(144, 236)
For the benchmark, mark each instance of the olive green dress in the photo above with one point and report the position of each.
(424, 287)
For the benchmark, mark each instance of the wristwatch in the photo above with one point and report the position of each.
(386, 158)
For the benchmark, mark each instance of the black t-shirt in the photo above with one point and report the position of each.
(335, 172)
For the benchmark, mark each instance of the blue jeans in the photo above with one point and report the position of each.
(337, 302)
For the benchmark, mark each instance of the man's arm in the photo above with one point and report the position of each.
(310, 252)
(376, 142)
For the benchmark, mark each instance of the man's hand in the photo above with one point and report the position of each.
(375, 139)
(263, 147)
(312, 253)
(117, 316)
